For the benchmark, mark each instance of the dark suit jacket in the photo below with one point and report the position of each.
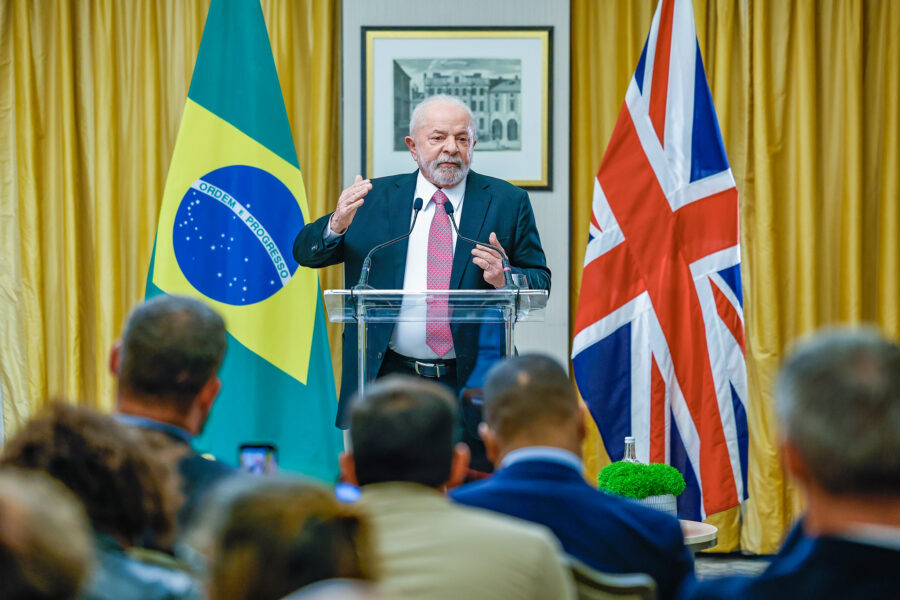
(489, 205)
(198, 475)
(824, 567)
(607, 533)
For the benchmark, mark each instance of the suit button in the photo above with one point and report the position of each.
(380, 355)
(314, 248)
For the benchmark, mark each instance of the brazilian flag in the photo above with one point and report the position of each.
(234, 201)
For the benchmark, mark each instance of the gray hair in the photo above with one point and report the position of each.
(415, 121)
(838, 398)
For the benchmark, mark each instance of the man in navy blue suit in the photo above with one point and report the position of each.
(441, 141)
(533, 429)
(838, 399)
(166, 364)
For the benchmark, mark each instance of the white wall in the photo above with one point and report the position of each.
(551, 208)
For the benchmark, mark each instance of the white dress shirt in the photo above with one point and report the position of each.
(409, 336)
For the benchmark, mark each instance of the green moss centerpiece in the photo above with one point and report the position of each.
(654, 485)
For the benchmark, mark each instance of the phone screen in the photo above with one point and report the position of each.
(259, 459)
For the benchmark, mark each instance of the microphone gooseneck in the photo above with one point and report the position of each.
(363, 282)
(507, 273)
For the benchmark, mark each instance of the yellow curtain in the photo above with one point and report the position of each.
(808, 100)
(91, 97)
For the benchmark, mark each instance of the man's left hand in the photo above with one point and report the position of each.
(490, 262)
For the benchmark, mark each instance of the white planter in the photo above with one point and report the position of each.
(665, 503)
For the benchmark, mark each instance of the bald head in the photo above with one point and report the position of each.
(530, 397)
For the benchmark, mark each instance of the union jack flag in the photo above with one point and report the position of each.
(658, 351)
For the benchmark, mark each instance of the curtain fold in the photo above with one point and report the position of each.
(91, 96)
(91, 100)
(808, 100)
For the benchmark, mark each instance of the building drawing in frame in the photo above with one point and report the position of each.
(492, 87)
(503, 74)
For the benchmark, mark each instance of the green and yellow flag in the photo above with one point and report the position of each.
(234, 201)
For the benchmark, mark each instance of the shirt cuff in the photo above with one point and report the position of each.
(330, 237)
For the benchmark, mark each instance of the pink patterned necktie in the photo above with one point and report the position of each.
(440, 263)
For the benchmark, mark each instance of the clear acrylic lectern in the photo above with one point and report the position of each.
(507, 306)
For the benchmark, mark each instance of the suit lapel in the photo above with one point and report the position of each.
(400, 201)
(476, 201)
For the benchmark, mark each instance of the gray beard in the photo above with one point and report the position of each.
(443, 176)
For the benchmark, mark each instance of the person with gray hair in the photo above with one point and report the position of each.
(166, 364)
(441, 141)
(838, 400)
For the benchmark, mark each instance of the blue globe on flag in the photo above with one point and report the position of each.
(234, 232)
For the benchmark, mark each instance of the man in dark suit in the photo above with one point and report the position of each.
(166, 365)
(838, 399)
(533, 431)
(441, 141)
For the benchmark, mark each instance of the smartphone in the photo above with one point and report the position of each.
(258, 458)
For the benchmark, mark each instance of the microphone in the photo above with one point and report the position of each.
(367, 263)
(507, 275)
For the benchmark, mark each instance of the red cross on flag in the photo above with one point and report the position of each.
(659, 349)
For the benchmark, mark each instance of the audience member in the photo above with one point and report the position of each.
(402, 456)
(266, 538)
(166, 364)
(130, 495)
(45, 543)
(838, 399)
(533, 430)
(338, 589)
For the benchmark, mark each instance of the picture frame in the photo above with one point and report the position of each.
(503, 73)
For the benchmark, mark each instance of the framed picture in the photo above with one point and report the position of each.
(503, 73)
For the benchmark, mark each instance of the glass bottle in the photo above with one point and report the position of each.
(630, 455)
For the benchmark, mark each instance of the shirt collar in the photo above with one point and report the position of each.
(544, 453)
(173, 430)
(871, 534)
(425, 190)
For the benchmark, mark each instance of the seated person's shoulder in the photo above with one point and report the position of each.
(472, 491)
(498, 526)
(664, 526)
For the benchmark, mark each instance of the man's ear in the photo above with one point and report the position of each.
(793, 462)
(459, 466)
(411, 144)
(491, 447)
(115, 358)
(208, 393)
(348, 468)
(581, 421)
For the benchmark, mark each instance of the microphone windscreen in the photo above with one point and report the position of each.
(417, 204)
(448, 208)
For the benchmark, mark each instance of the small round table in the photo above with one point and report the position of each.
(697, 535)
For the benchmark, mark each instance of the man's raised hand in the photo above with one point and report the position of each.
(490, 261)
(351, 199)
